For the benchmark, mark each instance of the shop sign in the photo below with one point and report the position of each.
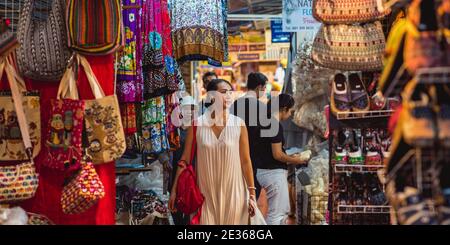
(244, 57)
(257, 47)
(278, 36)
(298, 17)
(237, 48)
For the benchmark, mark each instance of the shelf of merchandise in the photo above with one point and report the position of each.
(363, 209)
(353, 168)
(363, 114)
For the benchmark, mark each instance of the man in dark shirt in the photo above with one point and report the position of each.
(272, 171)
(250, 109)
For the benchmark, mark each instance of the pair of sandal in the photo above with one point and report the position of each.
(349, 95)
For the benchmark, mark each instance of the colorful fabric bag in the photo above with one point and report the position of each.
(12, 147)
(18, 182)
(347, 12)
(83, 191)
(350, 47)
(95, 26)
(65, 126)
(103, 122)
(43, 51)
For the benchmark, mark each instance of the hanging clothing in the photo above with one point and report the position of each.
(219, 174)
(158, 64)
(129, 78)
(154, 129)
(199, 30)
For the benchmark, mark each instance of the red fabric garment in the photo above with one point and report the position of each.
(47, 199)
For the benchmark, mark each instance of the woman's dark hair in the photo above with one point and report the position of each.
(206, 75)
(214, 86)
(256, 79)
(284, 101)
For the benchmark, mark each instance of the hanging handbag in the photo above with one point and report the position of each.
(65, 126)
(95, 27)
(43, 51)
(189, 197)
(349, 47)
(18, 182)
(347, 12)
(11, 139)
(83, 191)
(103, 122)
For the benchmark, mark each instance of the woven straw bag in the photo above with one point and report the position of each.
(347, 11)
(350, 47)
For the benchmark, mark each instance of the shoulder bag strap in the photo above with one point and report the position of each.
(17, 99)
(92, 79)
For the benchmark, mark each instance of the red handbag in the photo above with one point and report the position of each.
(189, 198)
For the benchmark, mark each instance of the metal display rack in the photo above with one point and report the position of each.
(347, 213)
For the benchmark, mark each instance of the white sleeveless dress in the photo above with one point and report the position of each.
(219, 174)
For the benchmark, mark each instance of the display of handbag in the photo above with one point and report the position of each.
(18, 182)
(189, 198)
(95, 27)
(350, 47)
(347, 12)
(65, 126)
(104, 127)
(83, 191)
(12, 147)
(43, 52)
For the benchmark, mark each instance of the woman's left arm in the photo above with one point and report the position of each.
(246, 162)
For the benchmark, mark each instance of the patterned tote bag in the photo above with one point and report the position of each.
(104, 127)
(65, 126)
(12, 147)
(18, 182)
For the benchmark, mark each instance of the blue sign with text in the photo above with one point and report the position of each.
(278, 36)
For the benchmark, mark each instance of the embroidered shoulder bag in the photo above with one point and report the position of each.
(19, 182)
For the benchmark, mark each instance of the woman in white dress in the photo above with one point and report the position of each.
(223, 165)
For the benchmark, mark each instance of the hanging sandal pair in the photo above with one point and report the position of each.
(349, 95)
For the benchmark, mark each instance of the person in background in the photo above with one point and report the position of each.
(223, 164)
(280, 73)
(207, 78)
(272, 172)
(249, 108)
(189, 110)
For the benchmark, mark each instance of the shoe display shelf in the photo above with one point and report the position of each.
(349, 212)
